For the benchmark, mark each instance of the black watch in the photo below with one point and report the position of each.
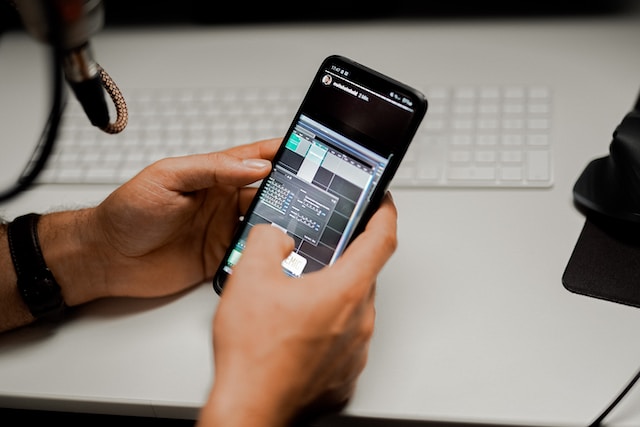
(38, 288)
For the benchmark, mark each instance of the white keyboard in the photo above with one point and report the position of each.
(471, 136)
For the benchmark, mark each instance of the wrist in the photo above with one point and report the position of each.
(13, 310)
(71, 251)
(229, 409)
(35, 283)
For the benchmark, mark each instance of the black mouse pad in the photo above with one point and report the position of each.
(605, 262)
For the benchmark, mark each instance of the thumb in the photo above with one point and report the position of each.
(200, 171)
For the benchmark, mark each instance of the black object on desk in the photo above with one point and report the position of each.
(605, 262)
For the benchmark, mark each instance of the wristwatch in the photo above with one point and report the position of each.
(36, 284)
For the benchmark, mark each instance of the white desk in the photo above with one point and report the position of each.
(473, 324)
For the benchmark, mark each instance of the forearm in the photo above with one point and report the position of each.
(70, 252)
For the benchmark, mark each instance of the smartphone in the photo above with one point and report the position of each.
(334, 166)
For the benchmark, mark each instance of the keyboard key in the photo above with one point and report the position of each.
(539, 139)
(429, 174)
(472, 173)
(538, 166)
(511, 173)
(511, 156)
(488, 136)
(485, 156)
(460, 156)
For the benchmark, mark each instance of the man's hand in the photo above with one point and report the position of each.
(284, 345)
(161, 232)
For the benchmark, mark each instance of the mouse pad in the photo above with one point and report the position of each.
(605, 262)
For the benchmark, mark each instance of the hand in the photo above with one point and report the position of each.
(283, 345)
(168, 227)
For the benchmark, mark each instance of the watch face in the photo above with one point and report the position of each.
(42, 295)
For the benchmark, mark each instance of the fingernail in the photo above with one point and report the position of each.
(257, 163)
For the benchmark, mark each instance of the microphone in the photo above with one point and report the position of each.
(77, 21)
(67, 25)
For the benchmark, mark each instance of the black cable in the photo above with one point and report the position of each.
(602, 416)
(49, 134)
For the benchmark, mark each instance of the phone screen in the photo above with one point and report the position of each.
(334, 165)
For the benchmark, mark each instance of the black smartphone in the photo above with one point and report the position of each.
(334, 166)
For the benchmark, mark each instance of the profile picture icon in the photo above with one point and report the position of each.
(327, 79)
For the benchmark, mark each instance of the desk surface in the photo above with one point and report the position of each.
(473, 322)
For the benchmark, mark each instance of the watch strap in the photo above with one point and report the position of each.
(36, 284)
